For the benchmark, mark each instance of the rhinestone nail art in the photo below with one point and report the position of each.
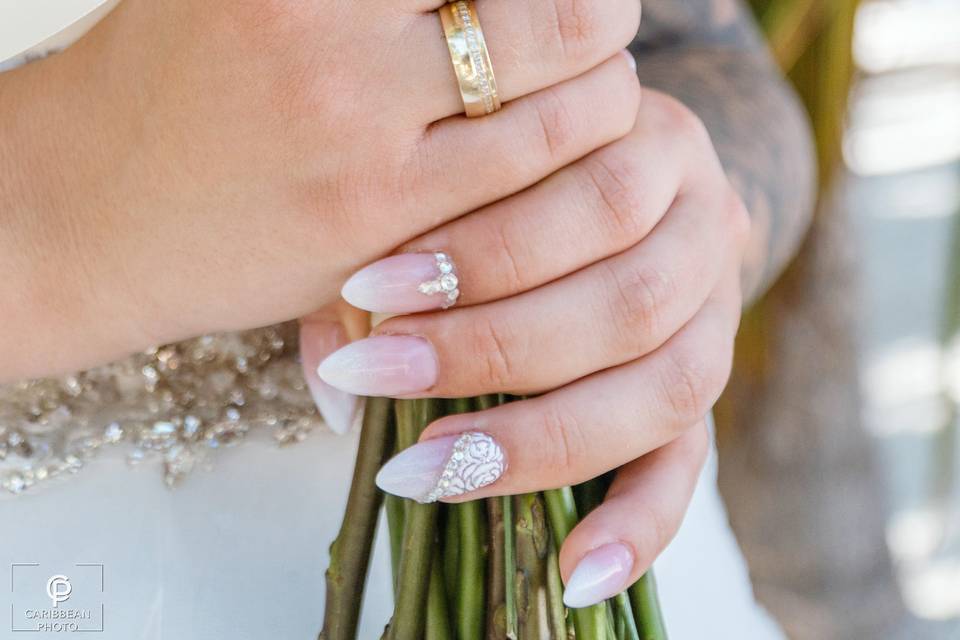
(446, 283)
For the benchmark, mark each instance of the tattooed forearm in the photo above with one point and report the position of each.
(708, 54)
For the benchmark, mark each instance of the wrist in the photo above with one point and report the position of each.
(60, 310)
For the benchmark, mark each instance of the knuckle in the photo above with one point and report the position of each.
(612, 183)
(575, 25)
(508, 243)
(638, 292)
(557, 125)
(680, 120)
(693, 382)
(496, 368)
(583, 27)
(566, 438)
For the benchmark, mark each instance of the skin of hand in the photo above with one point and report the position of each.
(622, 317)
(197, 166)
(708, 54)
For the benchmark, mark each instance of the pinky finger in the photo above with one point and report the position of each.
(322, 333)
(619, 540)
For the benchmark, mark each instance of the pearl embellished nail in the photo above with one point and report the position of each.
(443, 467)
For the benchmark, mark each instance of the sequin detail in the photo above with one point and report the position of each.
(176, 407)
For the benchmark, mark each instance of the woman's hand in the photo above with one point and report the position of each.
(194, 166)
(612, 288)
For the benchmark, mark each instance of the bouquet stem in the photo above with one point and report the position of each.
(532, 539)
(646, 608)
(438, 613)
(480, 570)
(350, 551)
(496, 571)
(510, 569)
(419, 532)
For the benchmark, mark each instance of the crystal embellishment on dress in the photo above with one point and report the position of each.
(476, 461)
(177, 406)
(446, 283)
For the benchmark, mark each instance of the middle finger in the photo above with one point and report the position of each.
(626, 306)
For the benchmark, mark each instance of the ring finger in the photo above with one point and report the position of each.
(551, 441)
(532, 45)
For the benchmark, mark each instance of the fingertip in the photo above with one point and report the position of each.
(318, 339)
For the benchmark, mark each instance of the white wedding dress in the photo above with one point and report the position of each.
(239, 552)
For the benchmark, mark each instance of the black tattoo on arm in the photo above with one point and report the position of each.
(709, 55)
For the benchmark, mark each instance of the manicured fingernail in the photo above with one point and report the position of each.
(317, 341)
(405, 283)
(630, 59)
(381, 366)
(443, 467)
(601, 574)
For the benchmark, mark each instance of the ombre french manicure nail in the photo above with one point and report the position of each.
(601, 574)
(404, 283)
(381, 366)
(338, 408)
(630, 59)
(443, 467)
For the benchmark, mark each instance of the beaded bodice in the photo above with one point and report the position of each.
(175, 407)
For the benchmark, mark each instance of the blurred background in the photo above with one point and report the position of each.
(839, 433)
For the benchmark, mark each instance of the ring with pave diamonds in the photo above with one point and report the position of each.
(471, 61)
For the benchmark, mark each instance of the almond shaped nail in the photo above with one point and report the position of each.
(405, 283)
(337, 408)
(601, 574)
(381, 366)
(443, 467)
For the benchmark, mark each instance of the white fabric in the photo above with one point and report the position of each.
(239, 553)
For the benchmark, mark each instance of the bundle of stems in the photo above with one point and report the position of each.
(480, 570)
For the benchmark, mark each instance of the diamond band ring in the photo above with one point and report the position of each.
(471, 61)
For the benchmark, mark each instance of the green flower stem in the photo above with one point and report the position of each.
(350, 551)
(395, 509)
(624, 614)
(470, 590)
(409, 615)
(496, 571)
(532, 542)
(496, 550)
(510, 568)
(438, 613)
(590, 623)
(556, 612)
(451, 550)
(471, 566)
(646, 608)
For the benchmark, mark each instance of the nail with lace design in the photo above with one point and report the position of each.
(443, 467)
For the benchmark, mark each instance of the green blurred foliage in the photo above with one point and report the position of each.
(812, 41)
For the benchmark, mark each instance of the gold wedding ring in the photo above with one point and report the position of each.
(471, 61)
